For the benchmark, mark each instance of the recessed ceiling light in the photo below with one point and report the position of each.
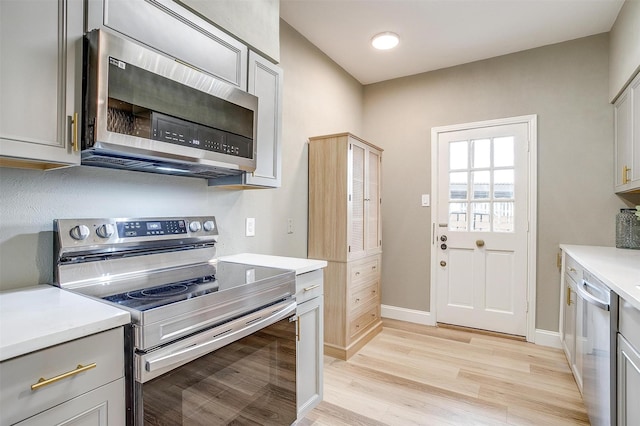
(385, 41)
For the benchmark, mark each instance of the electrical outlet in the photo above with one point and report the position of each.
(250, 227)
(289, 226)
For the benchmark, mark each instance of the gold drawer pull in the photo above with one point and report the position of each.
(311, 287)
(79, 369)
(373, 267)
(572, 270)
(357, 273)
(357, 300)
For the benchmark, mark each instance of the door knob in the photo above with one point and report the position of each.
(443, 263)
(480, 243)
(443, 246)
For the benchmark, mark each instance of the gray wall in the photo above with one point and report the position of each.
(319, 98)
(567, 86)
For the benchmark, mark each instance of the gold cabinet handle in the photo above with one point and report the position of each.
(79, 369)
(311, 287)
(480, 243)
(568, 296)
(625, 174)
(298, 327)
(357, 273)
(74, 137)
(572, 270)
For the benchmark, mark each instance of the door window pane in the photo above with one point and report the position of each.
(458, 155)
(481, 181)
(503, 181)
(480, 217)
(503, 152)
(481, 153)
(458, 183)
(503, 219)
(457, 216)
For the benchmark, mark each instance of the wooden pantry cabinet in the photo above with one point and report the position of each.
(345, 230)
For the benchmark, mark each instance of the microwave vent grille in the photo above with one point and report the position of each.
(156, 166)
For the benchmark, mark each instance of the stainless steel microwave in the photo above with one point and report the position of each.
(145, 111)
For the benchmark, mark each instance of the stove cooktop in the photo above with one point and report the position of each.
(221, 277)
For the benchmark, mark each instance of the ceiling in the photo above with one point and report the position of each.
(436, 34)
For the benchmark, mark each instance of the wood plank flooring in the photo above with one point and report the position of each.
(418, 375)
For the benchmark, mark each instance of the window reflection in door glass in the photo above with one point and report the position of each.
(481, 153)
(458, 155)
(481, 181)
(503, 152)
(503, 218)
(503, 181)
(480, 217)
(457, 216)
(458, 183)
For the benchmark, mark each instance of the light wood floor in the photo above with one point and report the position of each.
(418, 375)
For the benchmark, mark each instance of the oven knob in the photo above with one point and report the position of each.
(105, 230)
(194, 226)
(209, 226)
(80, 232)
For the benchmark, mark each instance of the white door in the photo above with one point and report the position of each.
(481, 227)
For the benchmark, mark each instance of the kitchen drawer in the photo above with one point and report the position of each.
(362, 321)
(17, 375)
(364, 294)
(629, 323)
(573, 269)
(363, 270)
(309, 285)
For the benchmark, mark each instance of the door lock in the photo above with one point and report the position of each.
(443, 246)
(443, 238)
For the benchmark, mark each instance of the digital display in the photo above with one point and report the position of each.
(154, 226)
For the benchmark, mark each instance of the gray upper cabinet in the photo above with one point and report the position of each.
(40, 43)
(175, 31)
(265, 81)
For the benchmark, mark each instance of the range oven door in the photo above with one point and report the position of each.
(247, 374)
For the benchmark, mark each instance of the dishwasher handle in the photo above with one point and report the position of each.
(602, 304)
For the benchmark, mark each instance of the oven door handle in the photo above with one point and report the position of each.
(222, 336)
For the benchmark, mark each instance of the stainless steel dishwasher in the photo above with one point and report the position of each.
(598, 390)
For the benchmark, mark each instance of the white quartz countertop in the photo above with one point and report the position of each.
(37, 317)
(299, 265)
(619, 269)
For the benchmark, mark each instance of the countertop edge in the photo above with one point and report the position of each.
(298, 264)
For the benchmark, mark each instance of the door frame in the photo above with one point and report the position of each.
(532, 200)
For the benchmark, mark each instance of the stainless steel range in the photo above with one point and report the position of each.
(211, 342)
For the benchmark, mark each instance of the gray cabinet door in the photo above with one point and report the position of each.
(175, 31)
(628, 383)
(310, 355)
(40, 85)
(265, 81)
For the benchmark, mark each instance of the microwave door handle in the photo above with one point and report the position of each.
(589, 298)
(221, 339)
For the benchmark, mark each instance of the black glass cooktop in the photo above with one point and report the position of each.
(220, 277)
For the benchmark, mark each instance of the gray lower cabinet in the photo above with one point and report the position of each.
(572, 333)
(80, 382)
(40, 41)
(175, 31)
(310, 315)
(628, 381)
(265, 81)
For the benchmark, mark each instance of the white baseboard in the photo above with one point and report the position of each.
(542, 337)
(548, 338)
(409, 315)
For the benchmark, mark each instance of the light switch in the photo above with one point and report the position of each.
(426, 202)
(250, 228)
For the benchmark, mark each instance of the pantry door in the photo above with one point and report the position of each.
(482, 239)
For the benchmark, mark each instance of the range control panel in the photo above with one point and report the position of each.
(140, 228)
(90, 232)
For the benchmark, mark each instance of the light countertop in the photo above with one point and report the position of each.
(619, 269)
(299, 265)
(37, 317)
